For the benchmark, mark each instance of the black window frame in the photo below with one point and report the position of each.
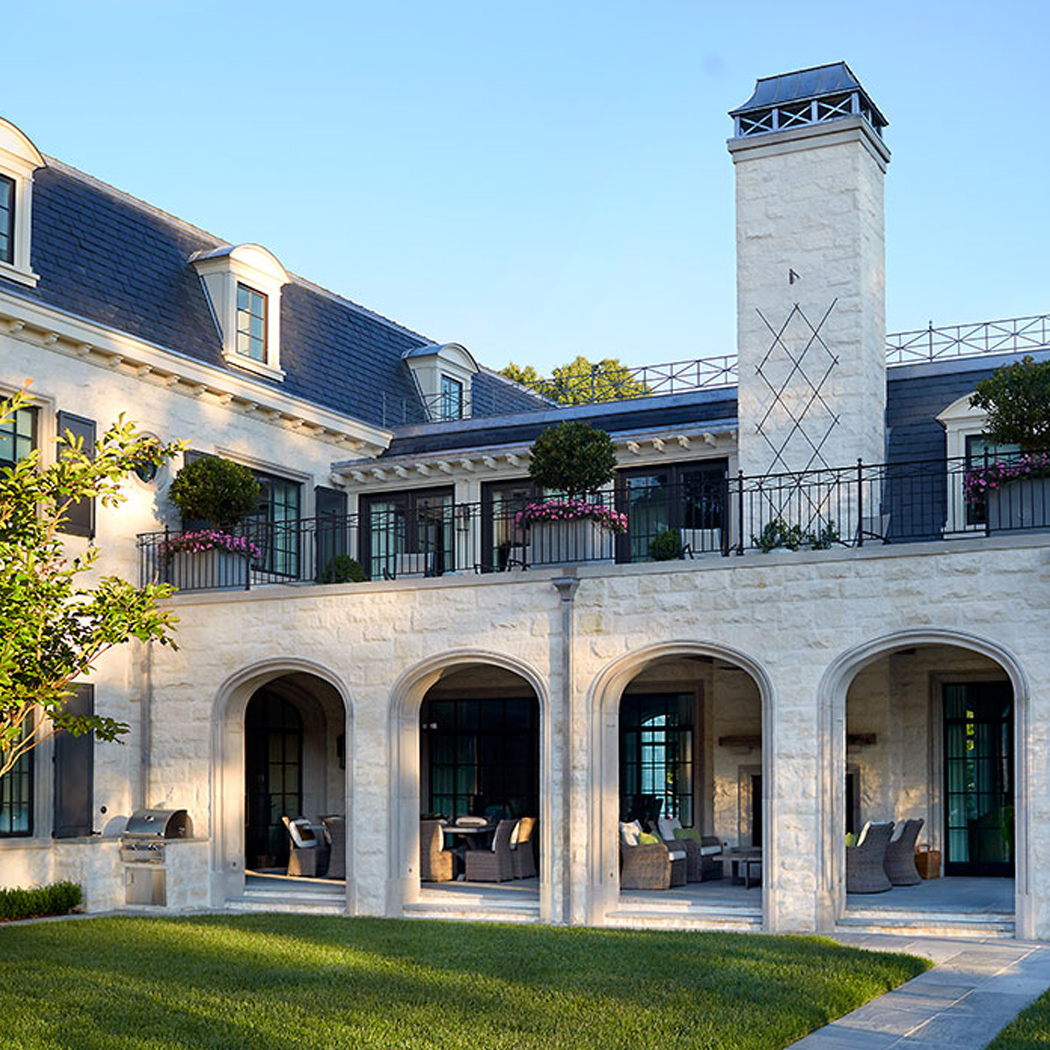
(8, 256)
(11, 428)
(249, 313)
(416, 511)
(450, 404)
(24, 773)
(977, 506)
(507, 552)
(278, 538)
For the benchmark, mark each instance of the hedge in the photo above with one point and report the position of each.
(58, 899)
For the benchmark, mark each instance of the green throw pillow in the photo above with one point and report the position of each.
(645, 839)
(691, 834)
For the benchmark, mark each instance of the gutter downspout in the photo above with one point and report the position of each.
(566, 587)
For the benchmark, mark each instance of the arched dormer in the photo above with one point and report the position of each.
(960, 421)
(243, 284)
(443, 374)
(19, 159)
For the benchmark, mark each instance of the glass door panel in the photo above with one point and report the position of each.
(978, 775)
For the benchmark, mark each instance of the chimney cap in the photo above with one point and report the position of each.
(839, 91)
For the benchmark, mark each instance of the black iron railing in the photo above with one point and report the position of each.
(733, 515)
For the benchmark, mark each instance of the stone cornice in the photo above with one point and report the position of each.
(104, 347)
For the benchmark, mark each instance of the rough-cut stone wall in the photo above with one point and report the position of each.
(810, 237)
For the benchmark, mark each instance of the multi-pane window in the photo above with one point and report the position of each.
(7, 219)
(17, 436)
(251, 323)
(481, 757)
(16, 798)
(451, 406)
(274, 527)
(408, 534)
(980, 452)
(656, 756)
(274, 769)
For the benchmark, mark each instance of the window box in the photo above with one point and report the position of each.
(1020, 504)
(569, 543)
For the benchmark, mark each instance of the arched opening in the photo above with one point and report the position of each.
(686, 726)
(281, 747)
(471, 812)
(933, 744)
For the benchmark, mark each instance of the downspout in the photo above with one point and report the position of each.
(146, 742)
(566, 587)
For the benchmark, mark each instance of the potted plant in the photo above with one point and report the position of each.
(573, 460)
(778, 537)
(213, 496)
(1015, 487)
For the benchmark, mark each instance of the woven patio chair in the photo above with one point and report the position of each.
(864, 870)
(435, 862)
(524, 851)
(495, 864)
(899, 862)
(694, 858)
(335, 827)
(649, 866)
(307, 857)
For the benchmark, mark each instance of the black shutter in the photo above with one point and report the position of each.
(75, 772)
(332, 534)
(81, 515)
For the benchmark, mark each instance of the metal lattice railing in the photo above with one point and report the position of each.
(1011, 336)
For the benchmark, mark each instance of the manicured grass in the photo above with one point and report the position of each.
(1029, 1031)
(288, 981)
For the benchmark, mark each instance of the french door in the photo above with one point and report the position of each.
(978, 778)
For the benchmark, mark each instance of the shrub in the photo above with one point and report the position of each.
(777, 534)
(1017, 400)
(572, 458)
(57, 899)
(343, 569)
(214, 490)
(666, 547)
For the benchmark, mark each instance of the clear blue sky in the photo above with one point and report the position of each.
(544, 179)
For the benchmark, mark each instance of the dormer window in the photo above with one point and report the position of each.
(251, 323)
(19, 158)
(243, 285)
(451, 398)
(7, 219)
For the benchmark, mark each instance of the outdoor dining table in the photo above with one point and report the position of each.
(473, 837)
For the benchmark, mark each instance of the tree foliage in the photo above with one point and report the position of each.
(581, 382)
(572, 458)
(1017, 400)
(56, 618)
(215, 490)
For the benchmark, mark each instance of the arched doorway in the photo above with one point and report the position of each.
(280, 747)
(471, 733)
(929, 727)
(680, 743)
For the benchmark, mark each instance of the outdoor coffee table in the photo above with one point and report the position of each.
(743, 866)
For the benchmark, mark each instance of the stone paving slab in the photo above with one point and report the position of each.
(974, 991)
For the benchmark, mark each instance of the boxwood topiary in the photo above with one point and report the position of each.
(572, 458)
(216, 491)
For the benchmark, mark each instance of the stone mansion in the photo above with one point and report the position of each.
(808, 624)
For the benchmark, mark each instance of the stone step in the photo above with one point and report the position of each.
(270, 901)
(986, 926)
(457, 912)
(648, 918)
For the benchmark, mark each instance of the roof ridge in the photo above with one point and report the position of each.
(305, 282)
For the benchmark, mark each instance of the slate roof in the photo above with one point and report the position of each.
(117, 261)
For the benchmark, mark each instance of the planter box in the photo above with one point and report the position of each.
(208, 570)
(1021, 504)
(569, 543)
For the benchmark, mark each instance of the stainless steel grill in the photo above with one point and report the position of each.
(144, 843)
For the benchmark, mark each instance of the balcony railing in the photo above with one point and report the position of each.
(735, 515)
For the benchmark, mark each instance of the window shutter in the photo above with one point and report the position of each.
(331, 533)
(75, 772)
(81, 515)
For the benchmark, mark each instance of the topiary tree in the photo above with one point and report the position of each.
(1017, 400)
(573, 458)
(215, 490)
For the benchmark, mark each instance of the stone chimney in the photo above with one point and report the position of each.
(810, 162)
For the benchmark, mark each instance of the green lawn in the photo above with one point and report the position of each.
(287, 981)
(1030, 1030)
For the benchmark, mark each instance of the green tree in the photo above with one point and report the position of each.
(573, 458)
(581, 382)
(56, 620)
(1017, 400)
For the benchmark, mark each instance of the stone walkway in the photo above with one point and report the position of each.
(975, 989)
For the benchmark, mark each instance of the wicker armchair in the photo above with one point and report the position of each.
(864, 870)
(335, 828)
(524, 853)
(649, 866)
(899, 862)
(703, 858)
(308, 856)
(495, 864)
(435, 863)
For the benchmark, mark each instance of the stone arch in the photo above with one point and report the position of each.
(228, 769)
(406, 699)
(603, 707)
(831, 698)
